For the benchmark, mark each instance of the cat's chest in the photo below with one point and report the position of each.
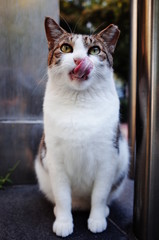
(77, 124)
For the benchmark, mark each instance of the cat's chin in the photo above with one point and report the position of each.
(79, 84)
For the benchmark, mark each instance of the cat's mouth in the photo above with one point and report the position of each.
(82, 70)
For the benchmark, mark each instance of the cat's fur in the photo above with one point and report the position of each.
(83, 158)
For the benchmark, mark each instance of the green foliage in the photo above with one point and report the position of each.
(93, 15)
(6, 179)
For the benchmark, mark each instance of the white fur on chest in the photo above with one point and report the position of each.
(79, 123)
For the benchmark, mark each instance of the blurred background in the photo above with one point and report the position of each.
(23, 67)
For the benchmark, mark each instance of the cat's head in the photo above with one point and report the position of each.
(78, 61)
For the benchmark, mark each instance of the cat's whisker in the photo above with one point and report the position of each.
(96, 29)
(99, 75)
(76, 24)
(41, 83)
(66, 23)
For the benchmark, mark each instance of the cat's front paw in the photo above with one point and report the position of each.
(97, 225)
(63, 228)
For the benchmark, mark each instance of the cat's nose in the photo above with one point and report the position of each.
(77, 61)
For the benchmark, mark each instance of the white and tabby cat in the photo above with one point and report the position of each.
(83, 158)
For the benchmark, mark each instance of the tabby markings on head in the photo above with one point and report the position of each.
(106, 40)
(54, 56)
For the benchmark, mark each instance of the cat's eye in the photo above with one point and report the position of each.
(66, 48)
(94, 50)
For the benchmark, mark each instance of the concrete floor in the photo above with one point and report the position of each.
(26, 215)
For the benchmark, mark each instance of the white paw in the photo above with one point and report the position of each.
(63, 228)
(97, 225)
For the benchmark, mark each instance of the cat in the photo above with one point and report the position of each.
(83, 158)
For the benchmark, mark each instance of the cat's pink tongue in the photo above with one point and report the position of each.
(82, 70)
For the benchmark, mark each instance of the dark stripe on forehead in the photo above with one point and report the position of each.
(69, 38)
(88, 40)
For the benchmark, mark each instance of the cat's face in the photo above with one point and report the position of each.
(79, 61)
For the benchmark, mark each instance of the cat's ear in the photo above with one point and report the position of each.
(53, 31)
(110, 35)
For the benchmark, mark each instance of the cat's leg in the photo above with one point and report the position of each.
(63, 225)
(108, 184)
(99, 210)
